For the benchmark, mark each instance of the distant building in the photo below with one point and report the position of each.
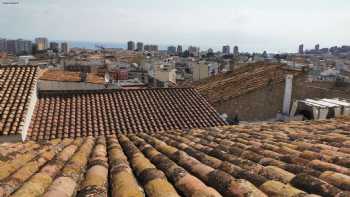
(26, 47)
(54, 46)
(179, 49)
(42, 44)
(200, 71)
(236, 51)
(151, 48)
(3, 46)
(11, 46)
(342, 49)
(301, 49)
(24, 59)
(64, 48)
(162, 75)
(119, 74)
(265, 55)
(317, 47)
(155, 47)
(171, 50)
(147, 47)
(193, 51)
(19, 47)
(210, 50)
(333, 49)
(139, 46)
(131, 45)
(324, 50)
(213, 68)
(226, 50)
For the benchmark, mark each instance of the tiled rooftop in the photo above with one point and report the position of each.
(17, 84)
(242, 81)
(95, 113)
(296, 159)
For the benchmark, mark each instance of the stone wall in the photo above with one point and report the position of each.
(264, 103)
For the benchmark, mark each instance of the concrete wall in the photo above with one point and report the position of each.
(200, 71)
(265, 103)
(172, 76)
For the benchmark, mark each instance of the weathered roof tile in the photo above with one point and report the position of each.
(95, 113)
(17, 86)
(199, 162)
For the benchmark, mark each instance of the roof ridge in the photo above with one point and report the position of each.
(103, 91)
(17, 66)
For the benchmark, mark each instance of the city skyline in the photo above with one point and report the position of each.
(138, 47)
(254, 26)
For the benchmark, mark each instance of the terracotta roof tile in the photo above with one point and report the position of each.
(17, 84)
(95, 113)
(244, 160)
(242, 81)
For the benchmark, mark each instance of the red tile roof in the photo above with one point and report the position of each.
(17, 84)
(94, 113)
(296, 159)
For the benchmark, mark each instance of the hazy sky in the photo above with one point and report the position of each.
(253, 25)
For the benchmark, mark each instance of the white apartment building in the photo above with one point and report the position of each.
(42, 43)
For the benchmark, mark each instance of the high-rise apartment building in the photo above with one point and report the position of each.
(16, 47)
(151, 47)
(11, 46)
(171, 50)
(193, 51)
(317, 47)
(20, 46)
(42, 43)
(301, 49)
(139, 46)
(235, 51)
(25, 47)
(265, 55)
(226, 50)
(179, 49)
(131, 45)
(54, 46)
(64, 48)
(3, 46)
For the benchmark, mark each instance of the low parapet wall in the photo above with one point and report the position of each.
(44, 85)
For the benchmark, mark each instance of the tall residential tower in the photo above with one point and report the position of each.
(226, 50)
(131, 45)
(42, 43)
